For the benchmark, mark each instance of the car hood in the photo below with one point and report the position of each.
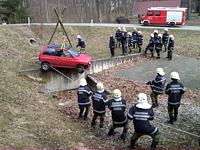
(85, 58)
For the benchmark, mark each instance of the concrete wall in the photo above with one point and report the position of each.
(102, 64)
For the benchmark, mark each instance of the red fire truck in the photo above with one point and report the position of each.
(164, 16)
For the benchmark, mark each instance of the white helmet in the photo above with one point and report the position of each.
(124, 29)
(135, 29)
(160, 35)
(100, 87)
(140, 32)
(78, 37)
(152, 35)
(160, 71)
(142, 101)
(117, 93)
(119, 28)
(83, 82)
(175, 75)
(129, 33)
(166, 29)
(171, 36)
(155, 31)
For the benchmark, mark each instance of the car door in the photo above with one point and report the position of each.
(67, 61)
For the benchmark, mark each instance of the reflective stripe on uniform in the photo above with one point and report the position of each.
(120, 122)
(84, 103)
(130, 116)
(121, 105)
(156, 129)
(84, 91)
(97, 111)
(174, 103)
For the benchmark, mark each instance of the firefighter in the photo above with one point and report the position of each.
(174, 90)
(117, 105)
(124, 41)
(150, 46)
(130, 42)
(141, 113)
(118, 36)
(81, 44)
(155, 33)
(165, 39)
(84, 92)
(135, 37)
(157, 86)
(170, 47)
(99, 99)
(112, 45)
(158, 45)
(140, 41)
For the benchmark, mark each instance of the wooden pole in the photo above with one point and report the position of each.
(62, 26)
(189, 10)
(56, 27)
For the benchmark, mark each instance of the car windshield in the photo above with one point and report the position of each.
(73, 52)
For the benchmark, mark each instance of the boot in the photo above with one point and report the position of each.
(171, 120)
(132, 145)
(140, 49)
(93, 123)
(175, 118)
(111, 131)
(153, 145)
(101, 125)
(123, 137)
(151, 54)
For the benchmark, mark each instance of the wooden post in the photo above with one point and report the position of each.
(189, 10)
(56, 27)
(62, 26)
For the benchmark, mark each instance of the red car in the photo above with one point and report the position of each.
(52, 55)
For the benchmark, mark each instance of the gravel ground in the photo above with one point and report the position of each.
(189, 116)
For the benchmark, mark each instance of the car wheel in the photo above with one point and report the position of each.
(146, 23)
(45, 66)
(172, 24)
(80, 68)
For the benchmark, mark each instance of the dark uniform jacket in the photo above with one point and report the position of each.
(118, 34)
(155, 36)
(99, 101)
(130, 40)
(84, 92)
(171, 44)
(118, 111)
(140, 39)
(112, 42)
(158, 44)
(165, 38)
(158, 84)
(141, 119)
(135, 37)
(124, 37)
(81, 43)
(175, 90)
(151, 44)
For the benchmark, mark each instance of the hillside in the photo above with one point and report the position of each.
(31, 119)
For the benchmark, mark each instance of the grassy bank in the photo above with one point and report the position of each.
(30, 119)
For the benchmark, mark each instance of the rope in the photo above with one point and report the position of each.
(61, 73)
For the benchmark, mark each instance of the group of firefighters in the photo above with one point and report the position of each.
(132, 40)
(140, 113)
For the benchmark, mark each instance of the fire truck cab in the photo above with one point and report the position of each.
(164, 16)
